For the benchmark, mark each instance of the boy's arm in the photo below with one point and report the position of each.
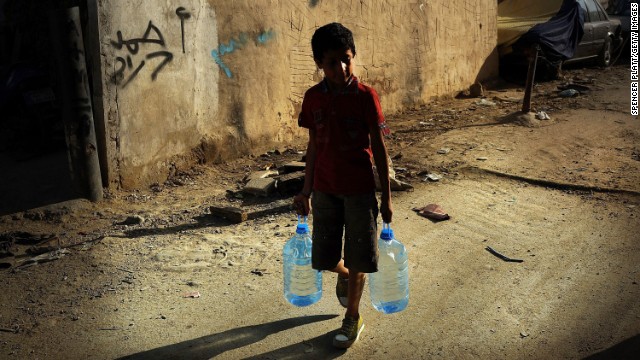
(310, 164)
(301, 201)
(381, 159)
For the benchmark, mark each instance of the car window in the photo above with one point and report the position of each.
(592, 9)
(601, 13)
(583, 5)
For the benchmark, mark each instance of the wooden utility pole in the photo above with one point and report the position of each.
(92, 46)
(531, 75)
(77, 111)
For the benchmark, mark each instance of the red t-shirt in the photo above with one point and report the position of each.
(343, 149)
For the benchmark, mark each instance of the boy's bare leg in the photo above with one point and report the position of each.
(341, 270)
(356, 280)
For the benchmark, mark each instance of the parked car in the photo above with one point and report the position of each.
(621, 10)
(579, 31)
(601, 35)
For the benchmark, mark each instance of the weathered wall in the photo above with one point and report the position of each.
(238, 85)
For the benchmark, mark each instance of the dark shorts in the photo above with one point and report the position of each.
(356, 215)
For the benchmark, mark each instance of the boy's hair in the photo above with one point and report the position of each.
(332, 36)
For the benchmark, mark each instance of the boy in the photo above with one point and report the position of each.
(346, 128)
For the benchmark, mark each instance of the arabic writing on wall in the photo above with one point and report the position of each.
(183, 14)
(133, 46)
(127, 69)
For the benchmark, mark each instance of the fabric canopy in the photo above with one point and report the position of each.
(556, 25)
(516, 17)
(558, 37)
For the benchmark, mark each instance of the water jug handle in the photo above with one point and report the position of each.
(304, 219)
(386, 226)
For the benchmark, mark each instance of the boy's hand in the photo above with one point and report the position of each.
(302, 204)
(386, 210)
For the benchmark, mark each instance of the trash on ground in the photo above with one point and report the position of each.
(443, 151)
(508, 99)
(503, 257)
(433, 177)
(54, 255)
(397, 185)
(47, 245)
(433, 212)
(541, 115)
(394, 184)
(583, 89)
(485, 102)
(192, 294)
(568, 93)
(482, 158)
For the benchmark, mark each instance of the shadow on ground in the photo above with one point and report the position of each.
(210, 346)
(205, 221)
(201, 221)
(627, 349)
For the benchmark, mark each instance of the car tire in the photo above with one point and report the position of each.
(605, 54)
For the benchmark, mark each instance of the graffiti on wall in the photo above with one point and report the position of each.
(125, 64)
(238, 43)
(183, 14)
(127, 69)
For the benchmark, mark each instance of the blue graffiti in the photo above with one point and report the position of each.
(227, 49)
(235, 44)
(265, 36)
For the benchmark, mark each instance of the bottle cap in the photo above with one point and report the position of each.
(386, 233)
(302, 229)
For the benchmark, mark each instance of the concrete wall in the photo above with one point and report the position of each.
(238, 85)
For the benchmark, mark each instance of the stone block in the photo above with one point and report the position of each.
(292, 166)
(261, 174)
(290, 184)
(230, 213)
(260, 186)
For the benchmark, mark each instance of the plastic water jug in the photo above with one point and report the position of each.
(389, 287)
(302, 283)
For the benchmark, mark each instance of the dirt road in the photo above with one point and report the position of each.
(562, 194)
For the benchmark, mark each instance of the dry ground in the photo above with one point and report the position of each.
(562, 194)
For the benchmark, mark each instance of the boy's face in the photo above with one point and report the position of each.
(337, 66)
